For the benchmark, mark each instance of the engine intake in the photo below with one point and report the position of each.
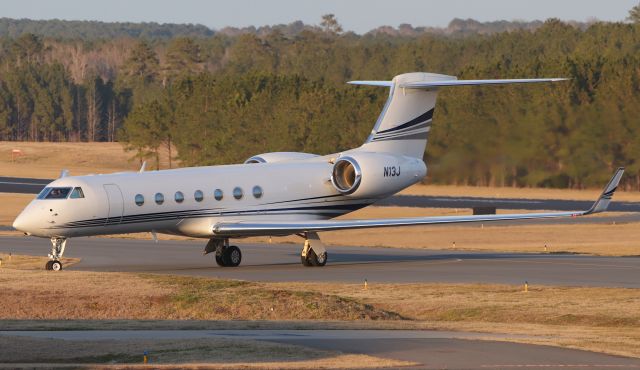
(375, 175)
(346, 175)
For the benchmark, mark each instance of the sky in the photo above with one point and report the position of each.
(354, 15)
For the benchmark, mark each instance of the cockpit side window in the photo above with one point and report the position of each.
(58, 193)
(77, 193)
(43, 193)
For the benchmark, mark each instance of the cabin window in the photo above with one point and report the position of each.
(198, 195)
(179, 197)
(257, 192)
(159, 198)
(57, 193)
(139, 199)
(77, 193)
(237, 192)
(218, 194)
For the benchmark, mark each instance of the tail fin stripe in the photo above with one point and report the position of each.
(424, 127)
(420, 119)
(417, 136)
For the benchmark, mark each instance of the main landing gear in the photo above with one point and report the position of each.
(57, 250)
(313, 252)
(226, 255)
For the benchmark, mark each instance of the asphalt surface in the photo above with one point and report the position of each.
(431, 349)
(281, 262)
(22, 185)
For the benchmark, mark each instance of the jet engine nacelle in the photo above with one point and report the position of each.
(279, 157)
(375, 174)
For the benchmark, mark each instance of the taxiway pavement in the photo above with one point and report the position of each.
(281, 262)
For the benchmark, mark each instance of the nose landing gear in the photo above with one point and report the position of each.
(57, 250)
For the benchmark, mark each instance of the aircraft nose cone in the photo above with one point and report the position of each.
(20, 223)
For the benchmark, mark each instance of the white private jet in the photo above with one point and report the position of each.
(271, 194)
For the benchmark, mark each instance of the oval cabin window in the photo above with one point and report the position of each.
(179, 197)
(257, 192)
(218, 194)
(139, 200)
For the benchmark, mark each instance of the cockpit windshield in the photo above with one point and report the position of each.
(54, 193)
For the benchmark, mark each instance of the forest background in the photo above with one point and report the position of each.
(203, 97)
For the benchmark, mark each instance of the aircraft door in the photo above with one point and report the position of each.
(116, 204)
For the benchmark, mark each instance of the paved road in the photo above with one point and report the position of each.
(22, 185)
(33, 186)
(281, 262)
(431, 349)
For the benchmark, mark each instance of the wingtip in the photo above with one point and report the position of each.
(602, 203)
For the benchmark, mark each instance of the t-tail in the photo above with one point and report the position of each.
(404, 124)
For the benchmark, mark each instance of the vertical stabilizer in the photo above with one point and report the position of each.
(404, 124)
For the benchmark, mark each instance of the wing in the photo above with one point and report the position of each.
(239, 228)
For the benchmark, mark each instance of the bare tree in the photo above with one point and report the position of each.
(330, 24)
(634, 14)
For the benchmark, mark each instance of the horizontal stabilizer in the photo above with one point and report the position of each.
(443, 83)
(372, 83)
(253, 228)
(455, 82)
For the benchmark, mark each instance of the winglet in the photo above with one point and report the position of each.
(602, 203)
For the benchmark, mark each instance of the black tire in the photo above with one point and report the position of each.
(316, 260)
(235, 256)
(56, 265)
(219, 260)
(232, 256)
(305, 261)
(321, 259)
(48, 265)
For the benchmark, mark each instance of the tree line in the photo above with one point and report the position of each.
(222, 98)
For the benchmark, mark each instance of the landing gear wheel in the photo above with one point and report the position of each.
(316, 260)
(320, 259)
(219, 260)
(305, 261)
(56, 265)
(231, 257)
(48, 265)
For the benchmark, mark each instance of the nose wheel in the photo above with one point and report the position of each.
(57, 250)
(53, 265)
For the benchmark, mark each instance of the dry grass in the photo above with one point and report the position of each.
(600, 319)
(516, 193)
(46, 160)
(598, 239)
(92, 295)
(192, 353)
